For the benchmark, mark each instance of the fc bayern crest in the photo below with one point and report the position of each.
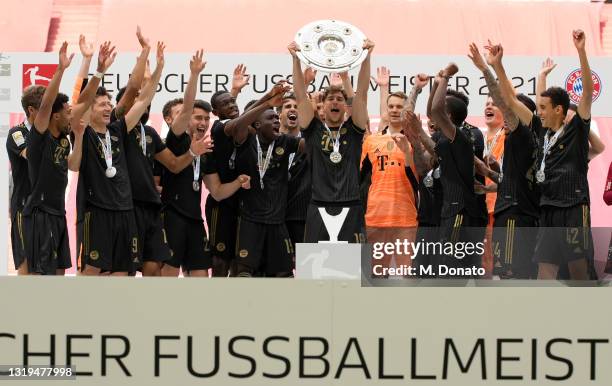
(573, 85)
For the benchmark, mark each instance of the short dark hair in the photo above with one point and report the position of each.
(457, 109)
(398, 94)
(59, 102)
(167, 109)
(32, 96)
(333, 89)
(200, 104)
(214, 99)
(286, 96)
(528, 102)
(460, 95)
(101, 91)
(558, 97)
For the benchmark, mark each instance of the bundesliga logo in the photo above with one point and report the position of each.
(573, 85)
(37, 74)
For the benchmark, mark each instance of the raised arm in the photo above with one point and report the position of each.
(346, 84)
(432, 92)
(136, 78)
(507, 91)
(74, 158)
(87, 52)
(547, 66)
(584, 106)
(106, 57)
(493, 86)
(239, 79)
(420, 81)
(239, 127)
(382, 80)
(305, 111)
(132, 117)
(438, 105)
(196, 65)
(360, 102)
(46, 104)
(411, 123)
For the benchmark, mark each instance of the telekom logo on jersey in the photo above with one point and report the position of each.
(333, 224)
(37, 74)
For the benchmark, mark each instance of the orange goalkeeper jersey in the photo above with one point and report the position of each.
(391, 199)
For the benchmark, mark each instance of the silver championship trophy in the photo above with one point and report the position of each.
(331, 45)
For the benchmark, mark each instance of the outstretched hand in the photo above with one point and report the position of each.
(87, 49)
(64, 59)
(495, 52)
(197, 62)
(240, 78)
(106, 56)
(144, 42)
(382, 77)
(160, 53)
(547, 66)
(476, 57)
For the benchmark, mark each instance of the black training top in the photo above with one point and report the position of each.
(178, 189)
(334, 183)
(48, 167)
(267, 205)
(457, 175)
(518, 187)
(567, 166)
(141, 166)
(16, 142)
(94, 187)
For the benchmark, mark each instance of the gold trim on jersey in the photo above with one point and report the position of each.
(509, 250)
(456, 228)
(237, 237)
(213, 228)
(20, 228)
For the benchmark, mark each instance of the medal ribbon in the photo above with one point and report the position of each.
(107, 149)
(263, 164)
